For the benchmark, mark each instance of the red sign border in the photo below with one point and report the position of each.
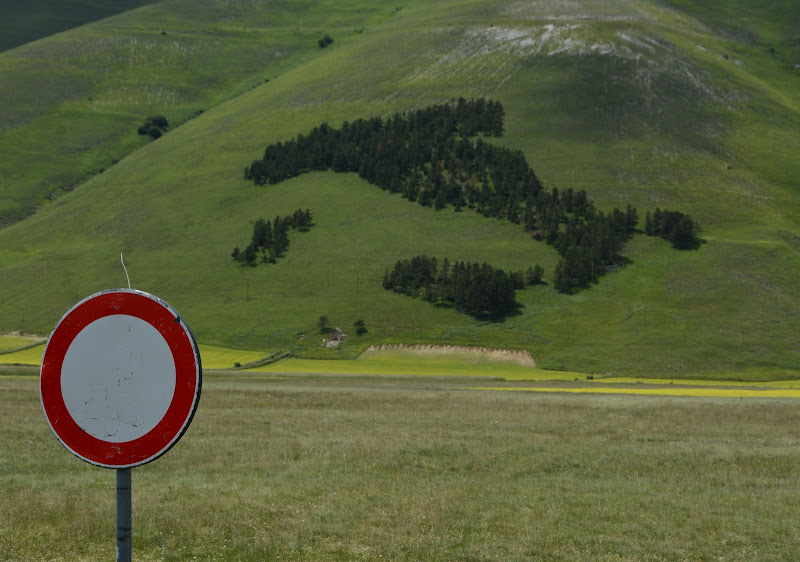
(188, 378)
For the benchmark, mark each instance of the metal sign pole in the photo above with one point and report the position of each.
(117, 356)
(124, 515)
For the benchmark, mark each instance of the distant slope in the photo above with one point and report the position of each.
(23, 21)
(636, 103)
(70, 105)
(773, 26)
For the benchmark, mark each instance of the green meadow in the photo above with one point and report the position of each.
(11, 344)
(484, 367)
(212, 357)
(653, 104)
(376, 468)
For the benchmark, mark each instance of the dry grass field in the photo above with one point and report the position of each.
(417, 468)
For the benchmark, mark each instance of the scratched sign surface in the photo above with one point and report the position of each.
(120, 378)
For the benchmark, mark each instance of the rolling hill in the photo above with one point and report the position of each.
(686, 106)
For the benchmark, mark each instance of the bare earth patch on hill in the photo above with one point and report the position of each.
(518, 357)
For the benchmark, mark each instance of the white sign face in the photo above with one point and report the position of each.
(120, 378)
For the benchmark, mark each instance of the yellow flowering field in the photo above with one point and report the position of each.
(663, 390)
(30, 356)
(213, 357)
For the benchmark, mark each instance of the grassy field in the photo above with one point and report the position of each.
(485, 367)
(332, 468)
(12, 343)
(636, 103)
(212, 357)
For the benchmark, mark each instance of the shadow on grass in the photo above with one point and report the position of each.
(695, 244)
(597, 274)
(494, 318)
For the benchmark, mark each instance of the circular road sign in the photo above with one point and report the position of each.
(120, 378)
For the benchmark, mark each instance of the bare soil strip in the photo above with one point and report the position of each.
(519, 357)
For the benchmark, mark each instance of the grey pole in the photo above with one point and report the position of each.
(124, 518)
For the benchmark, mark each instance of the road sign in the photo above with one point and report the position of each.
(120, 378)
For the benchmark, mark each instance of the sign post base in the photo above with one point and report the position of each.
(124, 515)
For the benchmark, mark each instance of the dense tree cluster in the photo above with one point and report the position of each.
(430, 156)
(476, 289)
(154, 126)
(325, 41)
(270, 239)
(674, 226)
(387, 153)
(590, 241)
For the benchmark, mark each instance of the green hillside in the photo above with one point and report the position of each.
(70, 105)
(637, 103)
